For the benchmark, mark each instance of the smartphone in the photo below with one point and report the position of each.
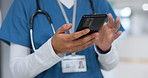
(93, 22)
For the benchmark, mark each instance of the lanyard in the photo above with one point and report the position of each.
(65, 16)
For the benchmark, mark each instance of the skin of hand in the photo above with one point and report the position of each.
(69, 43)
(107, 34)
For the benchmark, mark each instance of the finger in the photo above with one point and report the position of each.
(110, 20)
(64, 28)
(84, 46)
(85, 39)
(78, 34)
(117, 26)
(96, 39)
(104, 23)
(117, 34)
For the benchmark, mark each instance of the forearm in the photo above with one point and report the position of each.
(109, 60)
(26, 65)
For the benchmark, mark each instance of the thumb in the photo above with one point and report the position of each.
(64, 28)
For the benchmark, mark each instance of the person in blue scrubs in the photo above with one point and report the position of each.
(45, 62)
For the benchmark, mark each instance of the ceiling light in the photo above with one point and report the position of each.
(126, 12)
(145, 7)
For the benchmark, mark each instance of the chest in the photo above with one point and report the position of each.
(42, 29)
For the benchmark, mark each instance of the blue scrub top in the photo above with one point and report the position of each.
(15, 29)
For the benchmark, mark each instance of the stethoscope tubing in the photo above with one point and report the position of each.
(39, 11)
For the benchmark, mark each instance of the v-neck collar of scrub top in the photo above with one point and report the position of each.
(67, 3)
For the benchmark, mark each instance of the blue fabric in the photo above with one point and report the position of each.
(15, 28)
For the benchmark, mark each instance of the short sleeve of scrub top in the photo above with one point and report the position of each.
(15, 27)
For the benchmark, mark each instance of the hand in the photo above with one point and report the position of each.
(63, 43)
(107, 34)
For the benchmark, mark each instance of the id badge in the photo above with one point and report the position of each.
(71, 64)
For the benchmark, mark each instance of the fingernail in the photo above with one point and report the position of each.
(87, 30)
(96, 34)
(68, 25)
(109, 13)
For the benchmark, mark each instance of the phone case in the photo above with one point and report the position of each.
(93, 22)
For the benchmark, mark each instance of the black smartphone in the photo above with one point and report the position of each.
(93, 22)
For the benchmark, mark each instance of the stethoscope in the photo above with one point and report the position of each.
(40, 11)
